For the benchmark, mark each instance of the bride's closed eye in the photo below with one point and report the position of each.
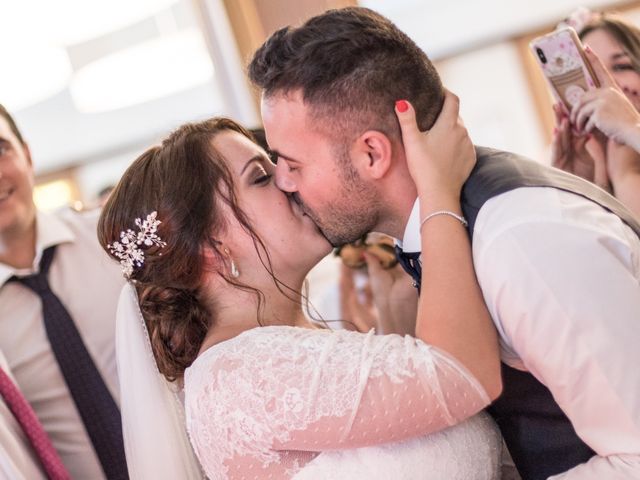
(260, 175)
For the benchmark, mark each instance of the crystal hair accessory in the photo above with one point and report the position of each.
(129, 248)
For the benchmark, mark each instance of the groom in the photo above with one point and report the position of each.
(559, 271)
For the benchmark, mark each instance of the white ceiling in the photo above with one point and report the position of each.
(60, 135)
(444, 28)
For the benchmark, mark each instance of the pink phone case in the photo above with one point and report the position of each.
(561, 57)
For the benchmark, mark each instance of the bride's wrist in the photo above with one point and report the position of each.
(432, 211)
(442, 214)
(438, 200)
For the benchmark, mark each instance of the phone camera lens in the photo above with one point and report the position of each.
(541, 56)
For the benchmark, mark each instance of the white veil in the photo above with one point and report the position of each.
(153, 422)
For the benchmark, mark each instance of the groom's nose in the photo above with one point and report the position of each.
(283, 178)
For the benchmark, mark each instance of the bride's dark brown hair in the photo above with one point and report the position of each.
(185, 180)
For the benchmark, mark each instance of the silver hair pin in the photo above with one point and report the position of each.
(129, 248)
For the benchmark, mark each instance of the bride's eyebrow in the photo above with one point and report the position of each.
(256, 158)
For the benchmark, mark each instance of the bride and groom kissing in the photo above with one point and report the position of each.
(512, 302)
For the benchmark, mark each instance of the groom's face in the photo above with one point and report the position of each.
(312, 169)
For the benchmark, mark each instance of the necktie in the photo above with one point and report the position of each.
(98, 410)
(410, 262)
(32, 429)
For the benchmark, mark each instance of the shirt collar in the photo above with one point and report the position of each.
(50, 230)
(411, 241)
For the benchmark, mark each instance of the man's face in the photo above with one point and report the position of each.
(338, 200)
(17, 210)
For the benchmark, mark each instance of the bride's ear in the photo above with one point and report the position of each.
(372, 154)
(217, 257)
(212, 255)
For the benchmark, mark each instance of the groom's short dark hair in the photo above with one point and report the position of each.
(351, 65)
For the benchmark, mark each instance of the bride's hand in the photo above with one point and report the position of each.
(441, 159)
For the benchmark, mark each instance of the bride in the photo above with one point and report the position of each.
(217, 256)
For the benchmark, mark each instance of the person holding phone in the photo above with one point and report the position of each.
(598, 138)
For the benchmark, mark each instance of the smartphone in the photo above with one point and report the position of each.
(561, 57)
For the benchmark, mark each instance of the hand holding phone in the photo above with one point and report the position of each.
(564, 64)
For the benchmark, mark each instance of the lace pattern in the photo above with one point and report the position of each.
(268, 400)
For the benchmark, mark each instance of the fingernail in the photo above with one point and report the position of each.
(402, 106)
(587, 48)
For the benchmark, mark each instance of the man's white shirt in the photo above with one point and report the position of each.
(88, 283)
(561, 278)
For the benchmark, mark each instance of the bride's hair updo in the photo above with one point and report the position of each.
(186, 181)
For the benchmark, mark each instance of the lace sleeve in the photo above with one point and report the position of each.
(287, 388)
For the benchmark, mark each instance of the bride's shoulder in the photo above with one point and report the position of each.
(255, 340)
(261, 345)
(251, 355)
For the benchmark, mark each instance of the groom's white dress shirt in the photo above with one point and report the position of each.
(89, 284)
(561, 278)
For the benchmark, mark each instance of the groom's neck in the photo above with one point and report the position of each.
(399, 194)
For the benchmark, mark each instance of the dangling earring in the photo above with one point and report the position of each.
(235, 273)
(234, 270)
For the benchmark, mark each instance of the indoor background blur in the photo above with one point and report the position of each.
(93, 83)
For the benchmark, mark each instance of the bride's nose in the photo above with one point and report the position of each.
(283, 179)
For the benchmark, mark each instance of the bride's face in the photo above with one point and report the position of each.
(292, 239)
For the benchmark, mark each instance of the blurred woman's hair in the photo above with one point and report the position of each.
(623, 31)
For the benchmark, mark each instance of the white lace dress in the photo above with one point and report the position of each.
(294, 403)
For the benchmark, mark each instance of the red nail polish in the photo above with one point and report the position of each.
(402, 106)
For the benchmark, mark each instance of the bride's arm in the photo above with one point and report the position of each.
(311, 390)
(452, 314)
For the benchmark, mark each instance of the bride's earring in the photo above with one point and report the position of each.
(234, 270)
(235, 273)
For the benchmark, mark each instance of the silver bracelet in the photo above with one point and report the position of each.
(460, 218)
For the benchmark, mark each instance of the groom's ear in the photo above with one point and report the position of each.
(372, 154)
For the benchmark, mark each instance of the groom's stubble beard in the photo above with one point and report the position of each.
(351, 215)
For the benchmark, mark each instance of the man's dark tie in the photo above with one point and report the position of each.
(97, 408)
(410, 261)
(32, 428)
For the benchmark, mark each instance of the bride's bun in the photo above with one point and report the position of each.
(177, 323)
